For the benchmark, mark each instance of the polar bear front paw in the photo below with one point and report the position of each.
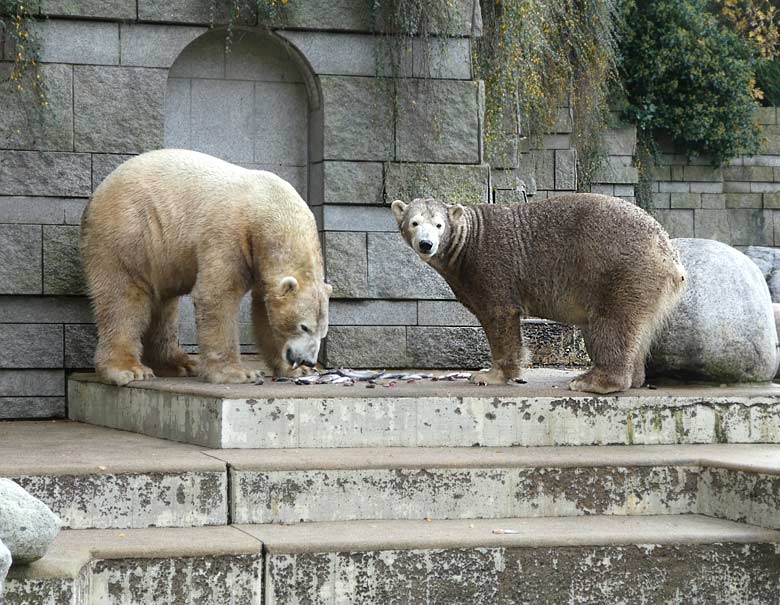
(493, 376)
(121, 375)
(229, 374)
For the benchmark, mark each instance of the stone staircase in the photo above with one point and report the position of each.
(419, 493)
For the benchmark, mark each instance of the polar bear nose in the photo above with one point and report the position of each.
(425, 245)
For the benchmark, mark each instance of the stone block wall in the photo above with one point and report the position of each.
(116, 69)
(112, 78)
(738, 203)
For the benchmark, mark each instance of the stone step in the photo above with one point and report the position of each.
(94, 477)
(681, 559)
(542, 412)
(735, 482)
(168, 566)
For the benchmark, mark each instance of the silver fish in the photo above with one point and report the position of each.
(360, 374)
(311, 379)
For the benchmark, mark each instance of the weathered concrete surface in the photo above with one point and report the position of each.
(432, 493)
(100, 478)
(168, 566)
(736, 482)
(683, 560)
(429, 414)
(27, 526)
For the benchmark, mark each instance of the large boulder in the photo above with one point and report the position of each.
(5, 564)
(723, 328)
(768, 260)
(27, 526)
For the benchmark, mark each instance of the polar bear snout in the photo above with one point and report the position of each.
(425, 240)
(302, 351)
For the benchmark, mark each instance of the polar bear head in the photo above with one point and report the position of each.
(297, 309)
(426, 224)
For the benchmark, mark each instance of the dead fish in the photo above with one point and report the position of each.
(361, 374)
(259, 381)
(328, 378)
(345, 380)
(454, 376)
(408, 377)
(391, 376)
(311, 379)
(281, 379)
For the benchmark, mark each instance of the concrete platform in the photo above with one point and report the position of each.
(685, 560)
(736, 482)
(542, 412)
(208, 566)
(94, 477)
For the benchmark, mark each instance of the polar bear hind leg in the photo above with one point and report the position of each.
(161, 349)
(122, 315)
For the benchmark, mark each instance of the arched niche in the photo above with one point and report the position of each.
(251, 101)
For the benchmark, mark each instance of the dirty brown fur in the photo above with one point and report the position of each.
(595, 261)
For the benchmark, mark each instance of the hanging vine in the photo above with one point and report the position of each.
(536, 56)
(16, 18)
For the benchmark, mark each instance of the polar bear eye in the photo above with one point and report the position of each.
(438, 225)
(305, 328)
(415, 223)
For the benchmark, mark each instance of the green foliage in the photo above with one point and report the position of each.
(538, 55)
(16, 19)
(689, 77)
(768, 81)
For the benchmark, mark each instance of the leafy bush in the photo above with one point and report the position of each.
(768, 81)
(688, 76)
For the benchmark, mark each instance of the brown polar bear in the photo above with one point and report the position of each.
(173, 222)
(595, 261)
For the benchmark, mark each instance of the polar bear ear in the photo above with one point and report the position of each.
(288, 285)
(399, 208)
(455, 212)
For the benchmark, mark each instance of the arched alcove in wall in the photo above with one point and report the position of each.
(248, 101)
(253, 102)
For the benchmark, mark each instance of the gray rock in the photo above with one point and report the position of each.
(353, 182)
(440, 347)
(5, 565)
(366, 347)
(30, 346)
(776, 311)
(27, 526)
(83, 42)
(768, 260)
(119, 109)
(80, 343)
(395, 271)
(105, 9)
(61, 260)
(346, 264)
(25, 123)
(26, 408)
(20, 249)
(453, 183)
(358, 118)
(723, 329)
(438, 121)
(43, 173)
(202, 12)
